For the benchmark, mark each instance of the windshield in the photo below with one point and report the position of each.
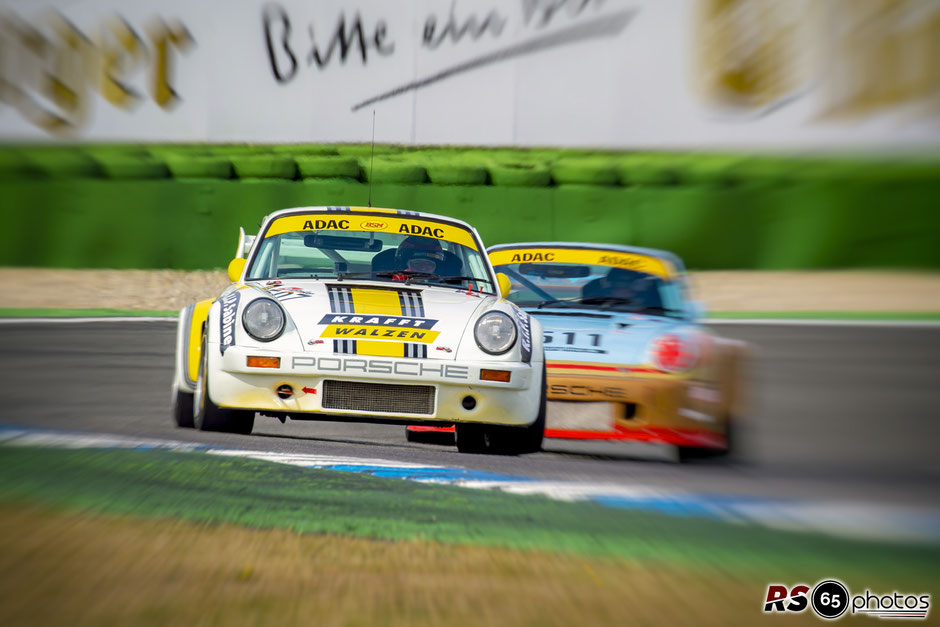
(372, 255)
(592, 286)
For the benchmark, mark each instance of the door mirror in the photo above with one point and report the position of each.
(235, 268)
(504, 284)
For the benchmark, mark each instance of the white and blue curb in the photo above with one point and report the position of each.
(848, 519)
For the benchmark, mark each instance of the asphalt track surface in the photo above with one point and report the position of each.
(837, 412)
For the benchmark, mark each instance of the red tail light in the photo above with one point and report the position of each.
(673, 354)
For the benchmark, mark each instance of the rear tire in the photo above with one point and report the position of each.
(181, 407)
(210, 417)
(502, 439)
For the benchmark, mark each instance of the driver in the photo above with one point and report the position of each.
(419, 254)
(622, 284)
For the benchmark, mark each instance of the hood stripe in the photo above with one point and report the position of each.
(409, 303)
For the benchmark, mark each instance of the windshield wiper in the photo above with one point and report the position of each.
(606, 300)
(454, 279)
(664, 310)
(613, 301)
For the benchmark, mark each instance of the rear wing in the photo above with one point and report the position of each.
(245, 243)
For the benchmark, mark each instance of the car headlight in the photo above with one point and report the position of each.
(495, 333)
(263, 319)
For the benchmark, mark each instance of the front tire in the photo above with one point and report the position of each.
(181, 408)
(207, 416)
(502, 439)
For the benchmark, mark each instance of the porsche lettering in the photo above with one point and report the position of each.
(586, 390)
(382, 366)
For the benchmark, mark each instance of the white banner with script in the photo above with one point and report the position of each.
(711, 74)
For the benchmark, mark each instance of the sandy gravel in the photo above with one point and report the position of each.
(720, 291)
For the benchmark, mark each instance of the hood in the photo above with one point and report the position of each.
(375, 318)
(603, 337)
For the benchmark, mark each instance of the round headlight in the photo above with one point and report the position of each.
(263, 319)
(495, 332)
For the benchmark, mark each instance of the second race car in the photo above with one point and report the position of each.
(625, 356)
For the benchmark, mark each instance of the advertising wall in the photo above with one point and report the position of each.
(671, 74)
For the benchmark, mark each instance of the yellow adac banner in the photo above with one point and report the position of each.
(596, 257)
(337, 221)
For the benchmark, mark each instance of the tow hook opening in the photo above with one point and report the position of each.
(468, 402)
(284, 392)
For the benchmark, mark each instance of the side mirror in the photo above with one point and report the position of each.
(235, 268)
(504, 284)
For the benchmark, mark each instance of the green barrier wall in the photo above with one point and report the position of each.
(761, 214)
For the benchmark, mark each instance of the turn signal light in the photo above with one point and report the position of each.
(495, 375)
(264, 362)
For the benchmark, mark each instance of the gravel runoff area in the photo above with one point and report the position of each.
(737, 290)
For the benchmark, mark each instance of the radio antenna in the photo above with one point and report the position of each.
(372, 160)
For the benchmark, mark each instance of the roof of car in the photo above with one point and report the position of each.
(637, 250)
(376, 210)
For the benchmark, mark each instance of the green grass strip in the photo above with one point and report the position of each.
(16, 312)
(259, 494)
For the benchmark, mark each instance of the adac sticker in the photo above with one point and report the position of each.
(599, 257)
(524, 321)
(227, 321)
(384, 224)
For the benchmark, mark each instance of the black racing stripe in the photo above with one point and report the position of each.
(346, 299)
(403, 303)
(331, 291)
(419, 305)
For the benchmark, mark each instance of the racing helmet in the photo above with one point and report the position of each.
(418, 253)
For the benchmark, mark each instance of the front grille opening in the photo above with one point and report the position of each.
(629, 411)
(378, 397)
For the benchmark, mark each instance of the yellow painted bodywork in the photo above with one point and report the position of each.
(378, 334)
(200, 313)
(352, 222)
(235, 268)
(505, 285)
(592, 256)
(705, 398)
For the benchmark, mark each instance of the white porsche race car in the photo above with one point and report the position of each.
(364, 314)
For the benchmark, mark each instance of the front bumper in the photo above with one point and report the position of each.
(233, 384)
